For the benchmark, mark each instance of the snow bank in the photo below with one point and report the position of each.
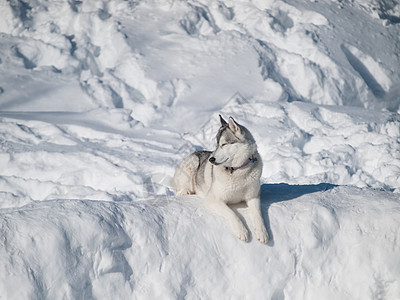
(324, 244)
(153, 64)
(82, 157)
(305, 143)
(76, 156)
(146, 55)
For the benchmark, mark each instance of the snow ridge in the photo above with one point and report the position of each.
(324, 243)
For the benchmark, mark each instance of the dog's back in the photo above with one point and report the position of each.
(190, 173)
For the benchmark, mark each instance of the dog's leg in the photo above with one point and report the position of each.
(222, 209)
(258, 222)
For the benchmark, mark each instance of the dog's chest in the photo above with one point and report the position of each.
(234, 190)
(235, 194)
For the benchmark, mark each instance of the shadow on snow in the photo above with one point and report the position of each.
(273, 193)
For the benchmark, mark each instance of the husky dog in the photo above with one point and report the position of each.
(229, 175)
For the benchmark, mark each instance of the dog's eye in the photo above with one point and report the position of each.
(224, 144)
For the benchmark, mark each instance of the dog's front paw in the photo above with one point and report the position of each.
(261, 234)
(242, 233)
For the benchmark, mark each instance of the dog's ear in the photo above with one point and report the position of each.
(235, 127)
(223, 122)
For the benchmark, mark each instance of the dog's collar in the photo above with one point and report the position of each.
(252, 159)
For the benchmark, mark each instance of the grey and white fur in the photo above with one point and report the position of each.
(228, 175)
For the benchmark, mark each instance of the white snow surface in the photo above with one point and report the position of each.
(100, 100)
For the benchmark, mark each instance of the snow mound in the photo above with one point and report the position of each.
(324, 243)
(305, 143)
(81, 157)
(140, 56)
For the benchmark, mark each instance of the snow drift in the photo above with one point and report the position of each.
(326, 242)
(99, 101)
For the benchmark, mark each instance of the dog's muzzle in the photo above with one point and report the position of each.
(213, 160)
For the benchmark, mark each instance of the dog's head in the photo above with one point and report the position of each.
(235, 144)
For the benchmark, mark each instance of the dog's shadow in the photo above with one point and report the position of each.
(274, 193)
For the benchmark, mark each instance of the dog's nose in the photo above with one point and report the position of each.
(212, 159)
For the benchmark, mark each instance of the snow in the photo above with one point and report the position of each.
(100, 100)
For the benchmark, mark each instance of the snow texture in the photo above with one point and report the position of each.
(100, 100)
